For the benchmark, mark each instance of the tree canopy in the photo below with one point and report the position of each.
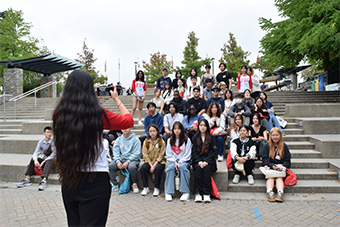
(233, 56)
(87, 58)
(310, 32)
(153, 69)
(191, 58)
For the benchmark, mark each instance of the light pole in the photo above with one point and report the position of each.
(212, 65)
(136, 64)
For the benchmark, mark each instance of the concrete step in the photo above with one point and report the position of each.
(19, 144)
(303, 163)
(303, 186)
(10, 131)
(295, 153)
(302, 174)
(292, 125)
(300, 145)
(294, 138)
(293, 131)
(8, 126)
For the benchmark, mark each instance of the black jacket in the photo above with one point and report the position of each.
(181, 105)
(209, 157)
(267, 161)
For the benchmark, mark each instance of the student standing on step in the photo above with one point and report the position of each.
(206, 76)
(244, 80)
(224, 76)
(41, 160)
(139, 92)
(193, 74)
(178, 77)
(243, 152)
(276, 156)
(204, 151)
(78, 124)
(154, 160)
(164, 78)
(256, 90)
(178, 154)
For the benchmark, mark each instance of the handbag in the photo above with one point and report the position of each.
(37, 171)
(125, 186)
(48, 151)
(214, 190)
(272, 173)
(224, 133)
(229, 162)
(291, 179)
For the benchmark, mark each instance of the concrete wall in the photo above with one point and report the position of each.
(320, 125)
(328, 145)
(13, 81)
(35, 127)
(313, 110)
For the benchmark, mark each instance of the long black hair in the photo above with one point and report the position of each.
(188, 114)
(137, 76)
(77, 129)
(203, 148)
(182, 137)
(194, 71)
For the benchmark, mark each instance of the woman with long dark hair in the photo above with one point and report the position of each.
(78, 123)
(193, 73)
(178, 154)
(178, 76)
(262, 111)
(216, 120)
(204, 151)
(190, 121)
(139, 92)
(258, 134)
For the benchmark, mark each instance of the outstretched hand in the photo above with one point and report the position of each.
(114, 93)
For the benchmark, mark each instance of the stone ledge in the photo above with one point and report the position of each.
(313, 110)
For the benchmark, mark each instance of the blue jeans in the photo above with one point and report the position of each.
(184, 174)
(273, 121)
(220, 144)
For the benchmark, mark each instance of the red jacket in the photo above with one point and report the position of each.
(115, 121)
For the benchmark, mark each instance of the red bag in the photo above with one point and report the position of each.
(219, 134)
(291, 178)
(229, 162)
(214, 190)
(37, 171)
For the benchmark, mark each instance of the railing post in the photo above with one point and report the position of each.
(4, 100)
(35, 99)
(15, 110)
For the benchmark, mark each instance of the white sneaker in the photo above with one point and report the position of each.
(206, 199)
(251, 180)
(198, 198)
(236, 179)
(185, 197)
(168, 197)
(140, 123)
(156, 192)
(145, 191)
(220, 158)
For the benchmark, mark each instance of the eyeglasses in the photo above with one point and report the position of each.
(192, 109)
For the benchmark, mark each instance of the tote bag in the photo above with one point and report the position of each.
(125, 186)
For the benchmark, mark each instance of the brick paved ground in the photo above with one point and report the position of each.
(28, 207)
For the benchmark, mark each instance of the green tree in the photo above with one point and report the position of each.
(191, 58)
(310, 31)
(233, 56)
(16, 43)
(87, 58)
(153, 70)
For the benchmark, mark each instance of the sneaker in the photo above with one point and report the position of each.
(145, 191)
(251, 180)
(220, 158)
(155, 192)
(24, 183)
(270, 196)
(115, 187)
(140, 123)
(279, 197)
(198, 198)
(236, 179)
(42, 185)
(168, 197)
(206, 199)
(185, 197)
(135, 188)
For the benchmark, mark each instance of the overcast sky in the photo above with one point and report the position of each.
(132, 30)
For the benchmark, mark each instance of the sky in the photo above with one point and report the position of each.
(132, 30)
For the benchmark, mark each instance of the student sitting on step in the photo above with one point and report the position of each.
(170, 119)
(243, 154)
(41, 160)
(239, 109)
(204, 151)
(153, 118)
(258, 134)
(126, 154)
(276, 156)
(154, 160)
(178, 154)
(233, 130)
(262, 111)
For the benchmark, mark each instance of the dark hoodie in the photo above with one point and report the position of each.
(181, 105)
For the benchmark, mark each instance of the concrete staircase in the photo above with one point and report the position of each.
(315, 172)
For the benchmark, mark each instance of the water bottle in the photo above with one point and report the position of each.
(177, 181)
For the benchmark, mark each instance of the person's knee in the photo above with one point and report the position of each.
(171, 167)
(183, 167)
(133, 166)
(219, 139)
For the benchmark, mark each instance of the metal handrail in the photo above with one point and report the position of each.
(27, 93)
(4, 101)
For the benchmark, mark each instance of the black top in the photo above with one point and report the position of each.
(200, 104)
(181, 105)
(261, 113)
(257, 134)
(270, 162)
(209, 157)
(225, 76)
(175, 85)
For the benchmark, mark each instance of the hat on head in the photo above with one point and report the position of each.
(222, 83)
(240, 167)
(196, 88)
(208, 80)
